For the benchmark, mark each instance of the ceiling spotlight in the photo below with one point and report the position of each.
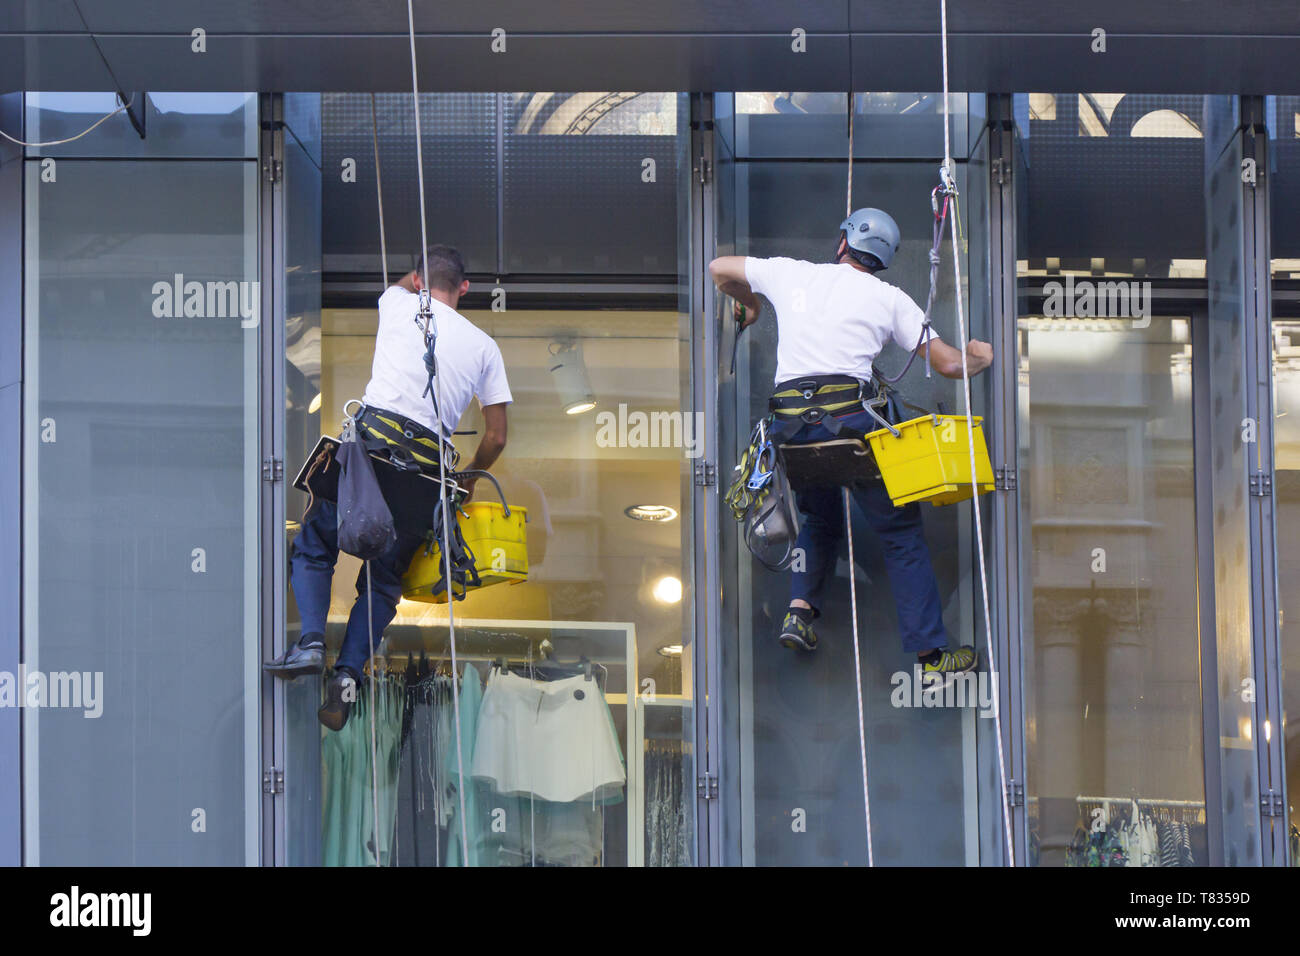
(650, 512)
(314, 407)
(668, 590)
(671, 650)
(570, 374)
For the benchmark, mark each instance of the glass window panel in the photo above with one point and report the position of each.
(189, 125)
(141, 490)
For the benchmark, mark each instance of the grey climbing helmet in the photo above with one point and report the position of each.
(874, 232)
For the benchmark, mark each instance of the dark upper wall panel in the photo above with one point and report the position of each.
(1152, 17)
(40, 16)
(343, 45)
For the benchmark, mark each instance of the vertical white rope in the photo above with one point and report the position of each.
(970, 440)
(374, 750)
(857, 671)
(379, 192)
(442, 457)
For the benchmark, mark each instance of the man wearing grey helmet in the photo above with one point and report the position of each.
(833, 319)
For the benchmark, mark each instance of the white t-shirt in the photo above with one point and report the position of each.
(832, 319)
(469, 363)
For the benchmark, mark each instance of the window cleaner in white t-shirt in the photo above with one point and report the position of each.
(469, 366)
(833, 319)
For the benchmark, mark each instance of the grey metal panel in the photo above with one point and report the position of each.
(665, 61)
(49, 62)
(457, 16)
(668, 16)
(11, 428)
(556, 63)
(40, 16)
(1116, 16)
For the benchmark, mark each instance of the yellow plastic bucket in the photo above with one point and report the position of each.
(930, 460)
(498, 542)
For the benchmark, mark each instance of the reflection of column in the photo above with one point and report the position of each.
(1057, 618)
(1123, 687)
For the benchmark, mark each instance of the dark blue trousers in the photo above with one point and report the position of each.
(312, 558)
(907, 557)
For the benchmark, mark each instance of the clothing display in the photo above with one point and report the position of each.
(347, 817)
(1133, 834)
(557, 737)
(666, 837)
(551, 740)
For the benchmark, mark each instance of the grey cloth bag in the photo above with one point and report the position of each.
(365, 521)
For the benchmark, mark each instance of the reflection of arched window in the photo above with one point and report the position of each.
(598, 114)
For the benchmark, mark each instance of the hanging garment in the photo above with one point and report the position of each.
(471, 698)
(347, 820)
(552, 740)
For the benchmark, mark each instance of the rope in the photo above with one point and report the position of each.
(447, 517)
(73, 139)
(379, 190)
(951, 180)
(857, 671)
(374, 750)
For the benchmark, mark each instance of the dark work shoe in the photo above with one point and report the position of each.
(299, 660)
(340, 695)
(797, 633)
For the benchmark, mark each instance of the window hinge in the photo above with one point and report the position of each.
(1004, 478)
(273, 781)
(1015, 793)
(272, 469)
(706, 473)
(705, 171)
(274, 169)
(706, 785)
(1261, 485)
(1270, 803)
(1000, 170)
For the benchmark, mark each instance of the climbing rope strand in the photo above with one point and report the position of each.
(857, 670)
(447, 517)
(374, 749)
(970, 439)
(379, 193)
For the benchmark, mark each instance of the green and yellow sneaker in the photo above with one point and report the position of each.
(797, 634)
(949, 664)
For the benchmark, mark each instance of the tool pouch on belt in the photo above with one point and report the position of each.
(761, 500)
(365, 523)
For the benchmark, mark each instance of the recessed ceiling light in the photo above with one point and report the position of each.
(650, 512)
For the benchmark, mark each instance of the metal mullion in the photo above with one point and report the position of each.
(1005, 413)
(1258, 342)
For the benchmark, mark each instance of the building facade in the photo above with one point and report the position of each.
(189, 296)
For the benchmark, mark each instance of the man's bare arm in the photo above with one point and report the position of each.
(491, 445)
(946, 360)
(728, 274)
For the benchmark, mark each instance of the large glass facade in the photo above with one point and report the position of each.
(198, 285)
(143, 314)
(791, 749)
(1105, 476)
(605, 482)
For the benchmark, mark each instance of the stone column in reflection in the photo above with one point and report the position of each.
(1059, 616)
